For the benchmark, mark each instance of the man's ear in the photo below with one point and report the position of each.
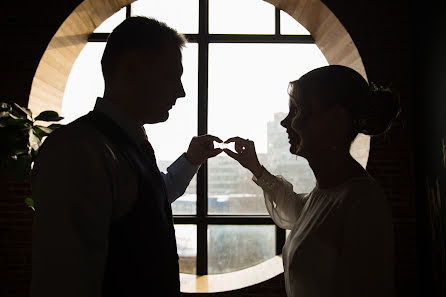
(129, 64)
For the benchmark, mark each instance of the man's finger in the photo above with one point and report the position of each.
(214, 152)
(210, 138)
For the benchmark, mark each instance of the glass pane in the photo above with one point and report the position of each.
(241, 17)
(288, 25)
(235, 247)
(112, 22)
(170, 139)
(181, 15)
(85, 83)
(244, 78)
(186, 236)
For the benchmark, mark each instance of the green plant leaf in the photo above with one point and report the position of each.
(7, 117)
(46, 130)
(48, 116)
(24, 110)
(30, 202)
(12, 120)
(55, 126)
(4, 114)
(41, 131)
(5, 106)
(34, 141)
(22, 138)
(16, 139)
(19, 169)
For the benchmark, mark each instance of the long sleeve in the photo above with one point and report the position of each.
(178, 176)
(367, 252)
(73, 200)
(282, 203)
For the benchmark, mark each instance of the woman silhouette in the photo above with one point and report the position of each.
(341, 239)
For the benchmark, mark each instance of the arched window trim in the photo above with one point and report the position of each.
(49, 82)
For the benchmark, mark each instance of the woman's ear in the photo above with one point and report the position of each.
(342, 119)
(340, 112)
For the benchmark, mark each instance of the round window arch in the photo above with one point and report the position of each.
(211, 206)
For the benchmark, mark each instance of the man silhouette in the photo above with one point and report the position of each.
(103, 223)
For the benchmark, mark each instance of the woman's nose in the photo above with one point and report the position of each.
(284, 122)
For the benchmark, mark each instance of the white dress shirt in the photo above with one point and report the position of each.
(341, 239)
(79, 185)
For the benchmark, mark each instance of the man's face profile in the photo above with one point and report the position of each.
(155, 82)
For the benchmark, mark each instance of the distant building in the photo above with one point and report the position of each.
(223, 175)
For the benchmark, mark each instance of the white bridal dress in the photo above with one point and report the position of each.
(341, 239)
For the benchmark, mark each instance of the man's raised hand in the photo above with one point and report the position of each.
(202, 148)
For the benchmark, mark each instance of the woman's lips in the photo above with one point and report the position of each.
(293, 139)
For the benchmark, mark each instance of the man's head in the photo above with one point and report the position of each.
(142, 68)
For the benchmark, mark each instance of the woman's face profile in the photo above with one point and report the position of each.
(293, 136)
(307, 124)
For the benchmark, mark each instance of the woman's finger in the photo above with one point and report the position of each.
(239, 147)
(234, 139)
(233, 155)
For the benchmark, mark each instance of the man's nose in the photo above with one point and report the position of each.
(181, 92)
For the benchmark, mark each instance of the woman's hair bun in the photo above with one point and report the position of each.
(378, 112)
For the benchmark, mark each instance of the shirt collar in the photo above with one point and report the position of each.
(130, 126)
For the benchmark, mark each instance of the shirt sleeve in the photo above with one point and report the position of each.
(282, 203)
(367, 252)
(178, 176)
(73, 207)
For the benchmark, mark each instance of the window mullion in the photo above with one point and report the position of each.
(128, 11)
(280, 239)
(280, 233)
(277, 21)
(202, 187)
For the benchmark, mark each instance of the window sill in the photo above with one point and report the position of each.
(233, 280)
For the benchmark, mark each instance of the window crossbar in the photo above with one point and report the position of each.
(229, 38)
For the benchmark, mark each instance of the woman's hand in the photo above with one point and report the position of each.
(245, 154)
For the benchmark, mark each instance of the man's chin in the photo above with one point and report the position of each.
(162, 117)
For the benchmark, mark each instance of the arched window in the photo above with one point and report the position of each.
(237, 65)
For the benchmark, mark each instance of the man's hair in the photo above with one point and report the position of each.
(136, 33)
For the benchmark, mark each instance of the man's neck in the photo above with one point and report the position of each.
(123, 105)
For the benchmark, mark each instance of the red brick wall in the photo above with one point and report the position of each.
(15, 239)
(379, 29)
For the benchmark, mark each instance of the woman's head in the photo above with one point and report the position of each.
(330, 105)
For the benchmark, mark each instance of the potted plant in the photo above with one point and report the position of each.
(22, 136)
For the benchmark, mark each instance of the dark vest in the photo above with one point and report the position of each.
(142, 256)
